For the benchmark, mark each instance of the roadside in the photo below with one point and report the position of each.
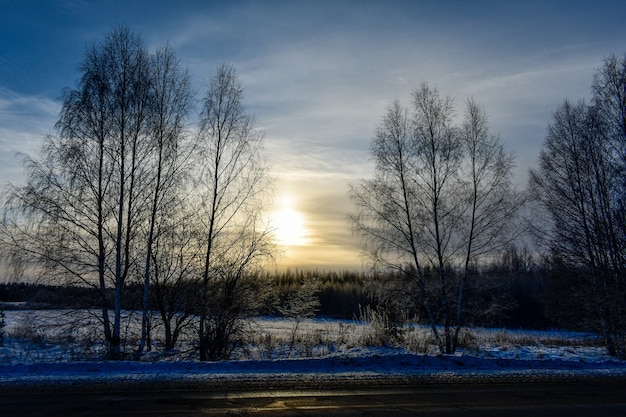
(339, 372)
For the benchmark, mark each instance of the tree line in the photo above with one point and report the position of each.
(517, 290)
(134, 200)
(441, 204)
(127, 190)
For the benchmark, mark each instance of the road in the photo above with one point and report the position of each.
(536, 399)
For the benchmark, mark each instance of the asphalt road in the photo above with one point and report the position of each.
(535, 399)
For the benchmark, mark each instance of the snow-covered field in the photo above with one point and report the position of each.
(62, 346)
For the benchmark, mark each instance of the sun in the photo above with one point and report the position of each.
(289, 224)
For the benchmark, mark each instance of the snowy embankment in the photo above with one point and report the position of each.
(496, 355)
(381, 365)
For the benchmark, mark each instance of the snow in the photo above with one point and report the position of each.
(338, 355)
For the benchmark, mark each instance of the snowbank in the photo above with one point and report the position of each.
(371, 365)
(500, 355)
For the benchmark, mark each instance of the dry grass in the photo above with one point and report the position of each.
(76, 335)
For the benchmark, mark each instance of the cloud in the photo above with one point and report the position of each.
(318, 76)
(319, 95)
(24, 120)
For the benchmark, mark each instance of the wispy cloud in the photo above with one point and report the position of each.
(318, 75)
(24, 120)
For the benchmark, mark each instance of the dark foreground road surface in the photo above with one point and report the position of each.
(529, 399)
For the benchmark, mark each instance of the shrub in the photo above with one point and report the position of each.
(382, 330)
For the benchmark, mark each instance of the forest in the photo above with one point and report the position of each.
(133, 207)
(518, 293)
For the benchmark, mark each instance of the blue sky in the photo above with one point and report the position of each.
(318, 75)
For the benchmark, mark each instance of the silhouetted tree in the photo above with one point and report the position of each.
(94, 203)
(441, 197)
(171, 100)
(581, 183)
(80, 212)
(232, 184)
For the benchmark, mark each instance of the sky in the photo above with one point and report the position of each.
(318, 76)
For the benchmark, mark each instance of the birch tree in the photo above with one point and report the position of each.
(80, 217)
(441, 198)
(491, 203)
(580, 184)
(171, 100)
(233, 183)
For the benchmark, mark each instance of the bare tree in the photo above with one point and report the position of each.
(232, 183)
(609, 99)
(82, 215)
(235, 292)
(491, 200)
(127, 61)
(578, 182)
(175, 261)
(388, 210)
(122, 181)
(437, 165)
(171, 99)
(441, 198)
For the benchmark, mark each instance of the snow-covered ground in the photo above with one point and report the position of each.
(46, 347)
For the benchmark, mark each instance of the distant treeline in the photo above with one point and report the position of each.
(39, 296)
(514, 292)
(340, 293)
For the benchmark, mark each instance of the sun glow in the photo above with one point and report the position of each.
(289, 224)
